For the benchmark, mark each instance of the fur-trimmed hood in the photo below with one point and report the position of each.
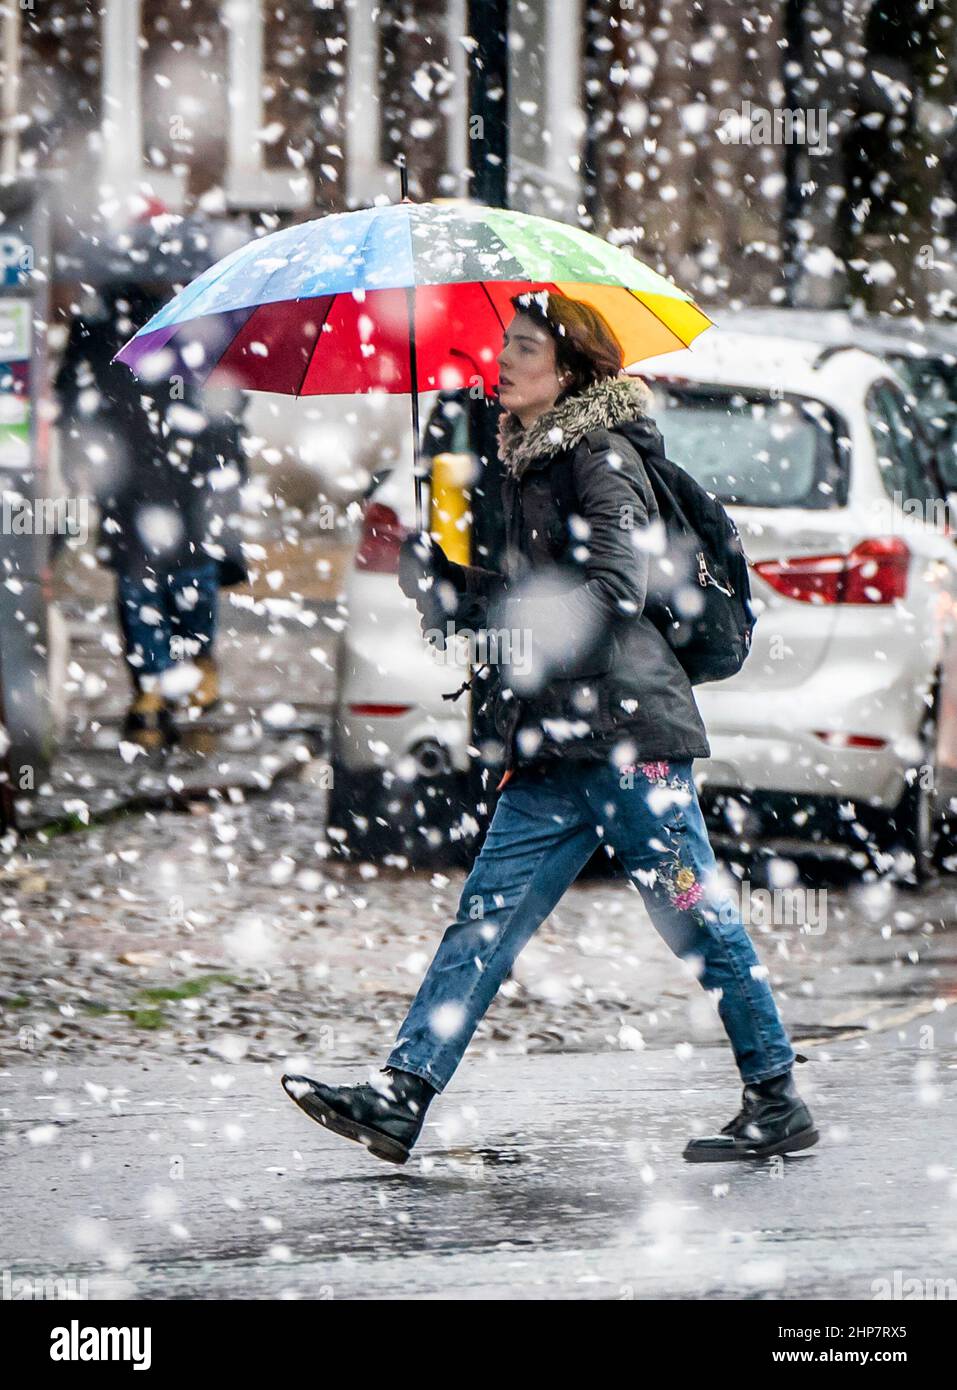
(604, 404)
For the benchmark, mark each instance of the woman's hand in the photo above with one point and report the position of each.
(423, 567)
(420, 559)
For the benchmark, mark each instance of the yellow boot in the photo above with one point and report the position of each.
(206, 694)
(149, 721)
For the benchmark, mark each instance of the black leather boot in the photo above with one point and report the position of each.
(773, 1119)
(386, 1116)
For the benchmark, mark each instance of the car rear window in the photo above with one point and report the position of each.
(754, 450)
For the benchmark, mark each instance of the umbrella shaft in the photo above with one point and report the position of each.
(414, 397)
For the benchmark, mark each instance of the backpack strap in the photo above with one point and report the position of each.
(604, 438)
(598, 439)
(564, 493)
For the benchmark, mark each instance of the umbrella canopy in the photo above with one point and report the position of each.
(395, 298)
(400, 298)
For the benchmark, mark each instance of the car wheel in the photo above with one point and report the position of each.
(351, 829)
(420, 820)
(947, 843)
(914, 825)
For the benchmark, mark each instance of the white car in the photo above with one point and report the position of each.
(400, 752)
(842, 725)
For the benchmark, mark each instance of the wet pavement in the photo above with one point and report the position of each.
(555, 1177)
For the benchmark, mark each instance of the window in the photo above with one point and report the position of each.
(906, 469)
(751, 449)
(934, 382)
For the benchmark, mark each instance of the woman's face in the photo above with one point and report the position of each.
(529, 378)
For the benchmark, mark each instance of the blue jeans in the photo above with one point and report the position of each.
(167, 618)
(547, 823)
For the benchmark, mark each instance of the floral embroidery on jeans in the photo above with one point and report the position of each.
(681, 884)
(655, 772)
(687, 890)
(658, 774)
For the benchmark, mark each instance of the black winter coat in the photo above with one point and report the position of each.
(166, 472)
(587, 673)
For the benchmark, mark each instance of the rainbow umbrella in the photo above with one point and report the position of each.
(400, 298)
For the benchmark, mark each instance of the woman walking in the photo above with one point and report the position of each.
(599, 727)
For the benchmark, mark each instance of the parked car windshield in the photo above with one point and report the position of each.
(753, 450)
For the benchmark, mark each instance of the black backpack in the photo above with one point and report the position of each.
(710, 634)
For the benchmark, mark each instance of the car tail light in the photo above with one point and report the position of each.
(874, 572)
(382, 534)
(808, 578)
(379, 711)
(838, 739)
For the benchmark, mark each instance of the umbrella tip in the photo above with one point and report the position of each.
(404, 177)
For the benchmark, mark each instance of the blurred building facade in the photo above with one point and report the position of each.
(641, 119)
